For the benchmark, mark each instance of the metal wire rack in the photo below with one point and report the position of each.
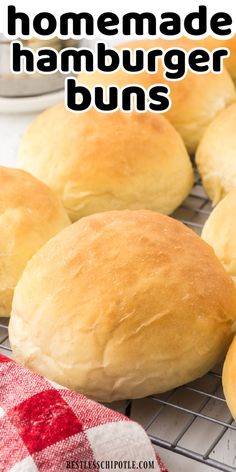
(192, 420)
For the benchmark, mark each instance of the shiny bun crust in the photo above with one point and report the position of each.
(229, 378)
(215, 156)
(220, 230)
(123, 305)
(30, 214)
(97, 162)
(196, 99)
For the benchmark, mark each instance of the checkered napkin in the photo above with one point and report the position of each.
(45, 427)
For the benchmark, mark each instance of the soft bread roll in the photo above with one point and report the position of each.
(30, 214)
(229, 378)
(216, 155)
(97, 162)
(123, 305)
(220, 230)
(196, 99)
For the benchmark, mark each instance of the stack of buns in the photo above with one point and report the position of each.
(127, 301)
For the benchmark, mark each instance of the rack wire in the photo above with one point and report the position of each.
(192, 420)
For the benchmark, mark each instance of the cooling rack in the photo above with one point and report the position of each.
(192, 420)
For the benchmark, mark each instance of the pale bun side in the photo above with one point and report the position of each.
(220, 230)
(30, 214)
(229, 378)
(216, 153)
(123, 305)
(98, 162)
(196, 99)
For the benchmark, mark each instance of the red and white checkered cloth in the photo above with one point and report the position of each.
(45, 427)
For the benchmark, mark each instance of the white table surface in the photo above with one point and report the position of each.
(12, 127)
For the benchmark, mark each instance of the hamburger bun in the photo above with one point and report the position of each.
(122, 305)
(98, 162)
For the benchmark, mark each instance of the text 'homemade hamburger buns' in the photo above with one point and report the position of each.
(220, 232)
(229, 378)
(216, 155)
(196, 99)
(123, 305)
(97, 162)
(30, 214)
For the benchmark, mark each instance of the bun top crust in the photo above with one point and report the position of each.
(97, 162)
(138, 304)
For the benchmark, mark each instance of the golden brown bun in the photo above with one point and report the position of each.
(123, 305)
(30, 214)
(196, 99)
(216, 157)
(97, 162)
(220, 232)
(229, 378)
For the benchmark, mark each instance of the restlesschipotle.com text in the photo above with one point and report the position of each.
(110, 465)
